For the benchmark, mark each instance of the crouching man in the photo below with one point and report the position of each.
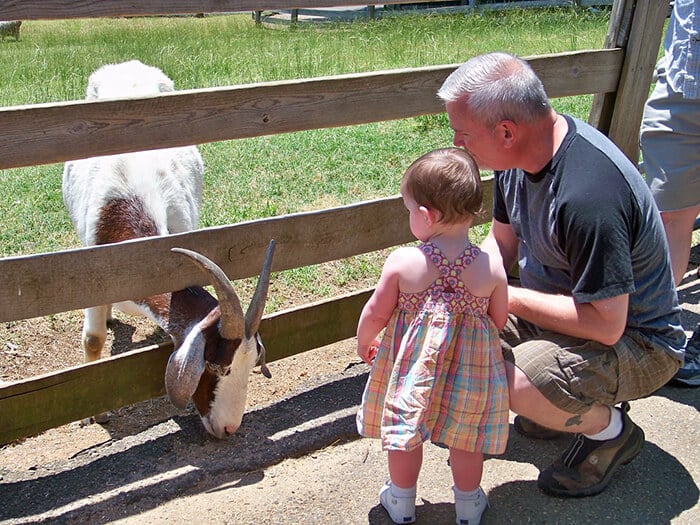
(595, 321)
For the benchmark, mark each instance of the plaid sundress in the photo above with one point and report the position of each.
(439, 374)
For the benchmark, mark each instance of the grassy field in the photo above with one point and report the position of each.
(266, 176)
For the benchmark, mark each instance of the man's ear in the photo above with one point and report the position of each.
(507, 131)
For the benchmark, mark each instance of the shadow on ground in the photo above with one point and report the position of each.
(177, 456)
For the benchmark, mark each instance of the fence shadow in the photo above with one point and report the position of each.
(177, 456)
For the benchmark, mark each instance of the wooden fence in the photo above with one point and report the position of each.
(435, 6)
(37, 285)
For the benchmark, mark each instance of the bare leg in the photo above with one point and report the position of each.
(467, 468)
(679, 230)
(404, 467)
(526, 400)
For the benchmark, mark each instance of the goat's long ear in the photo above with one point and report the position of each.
(185, 369)
(261, 357)
(257, 303)
(232, 322)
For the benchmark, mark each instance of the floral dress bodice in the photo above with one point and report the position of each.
(447, 292)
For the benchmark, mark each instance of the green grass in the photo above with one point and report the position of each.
(266, 176)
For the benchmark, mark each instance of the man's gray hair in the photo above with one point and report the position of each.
(497, 86)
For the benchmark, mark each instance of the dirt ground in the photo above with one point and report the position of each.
(37, 346)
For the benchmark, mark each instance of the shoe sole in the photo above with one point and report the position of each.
(623, 459)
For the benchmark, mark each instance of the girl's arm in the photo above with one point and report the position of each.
(378, 310)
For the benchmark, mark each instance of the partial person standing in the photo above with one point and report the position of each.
(670, 144)
(438, 374)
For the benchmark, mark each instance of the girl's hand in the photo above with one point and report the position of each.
(368, 352)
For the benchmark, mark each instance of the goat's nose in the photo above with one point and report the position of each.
(229, 430)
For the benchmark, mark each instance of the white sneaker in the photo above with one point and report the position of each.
(469, 511)
(401, 510)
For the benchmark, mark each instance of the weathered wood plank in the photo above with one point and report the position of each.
(64, 9)
(637, 71)
(46, 283)
(37, 404)
(618, 32)
(50, 133)
(311, 326)
(35, 285)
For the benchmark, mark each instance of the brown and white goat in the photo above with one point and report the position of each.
(121, 197)
(214, 356)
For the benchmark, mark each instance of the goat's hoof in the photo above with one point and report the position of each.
(92, 346)
(87, 421)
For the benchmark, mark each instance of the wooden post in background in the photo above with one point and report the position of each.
(637, 26)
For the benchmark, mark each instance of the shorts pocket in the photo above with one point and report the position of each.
(592, 375)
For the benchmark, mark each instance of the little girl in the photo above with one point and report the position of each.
(438, 373)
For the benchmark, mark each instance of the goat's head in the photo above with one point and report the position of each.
(212, 364)
(127, 79)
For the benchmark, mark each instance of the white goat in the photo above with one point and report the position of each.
(120, 197)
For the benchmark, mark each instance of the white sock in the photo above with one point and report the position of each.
(466, 495)
(398, 492)
(613, 430)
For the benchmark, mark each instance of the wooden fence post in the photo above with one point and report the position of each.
(637, 26)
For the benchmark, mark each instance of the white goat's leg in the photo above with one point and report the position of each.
(95, 331)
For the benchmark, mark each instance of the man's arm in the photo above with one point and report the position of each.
(501, 244)
(603, 321)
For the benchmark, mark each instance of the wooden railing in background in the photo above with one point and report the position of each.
(42, 284)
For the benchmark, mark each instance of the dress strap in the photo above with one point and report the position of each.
(470, 253)
(441, 262)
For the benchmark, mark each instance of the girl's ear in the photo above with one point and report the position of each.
(430, 216)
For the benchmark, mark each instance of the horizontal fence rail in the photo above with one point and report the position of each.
(49, 133)
(68, 280)
(63, 9)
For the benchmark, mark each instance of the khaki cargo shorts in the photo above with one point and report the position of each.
(575, 373)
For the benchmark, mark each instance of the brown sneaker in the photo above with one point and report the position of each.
(528, 428)
(587, 466)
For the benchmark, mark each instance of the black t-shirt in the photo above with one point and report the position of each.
(588, 227)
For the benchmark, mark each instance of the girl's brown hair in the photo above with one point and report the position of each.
(446, 180)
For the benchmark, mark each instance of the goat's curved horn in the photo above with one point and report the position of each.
(257, 303)
(232, 322)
